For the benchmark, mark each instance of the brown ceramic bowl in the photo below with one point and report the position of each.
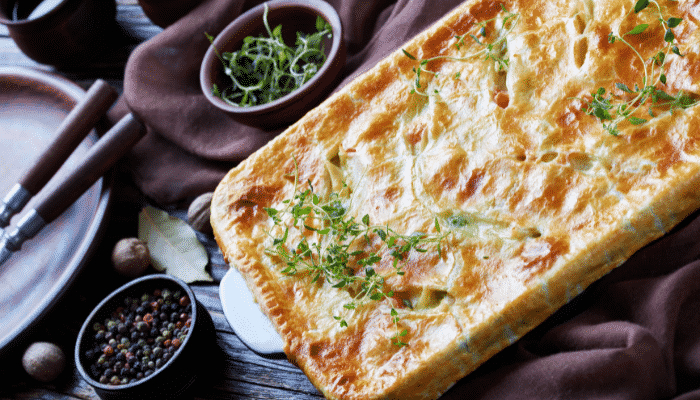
(59, 32)
(294, 16)
(193, 362)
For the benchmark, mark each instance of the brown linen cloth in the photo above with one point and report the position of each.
(633, 335)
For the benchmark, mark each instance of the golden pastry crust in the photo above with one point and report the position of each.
(552, 200)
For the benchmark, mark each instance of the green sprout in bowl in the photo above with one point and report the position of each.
(265, 68)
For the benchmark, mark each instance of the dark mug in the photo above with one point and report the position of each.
(59, 32)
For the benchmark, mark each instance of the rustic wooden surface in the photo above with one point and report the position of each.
(243, 375)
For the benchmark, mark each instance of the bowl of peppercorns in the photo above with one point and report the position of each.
(150, 338)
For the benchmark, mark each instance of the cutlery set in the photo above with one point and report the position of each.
(53, 201)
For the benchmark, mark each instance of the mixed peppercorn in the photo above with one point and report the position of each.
(139, 337)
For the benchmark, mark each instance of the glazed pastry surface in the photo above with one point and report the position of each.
(534, 198)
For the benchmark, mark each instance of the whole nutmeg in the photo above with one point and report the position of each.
(131, 257)
(199, 212)
(44, 361)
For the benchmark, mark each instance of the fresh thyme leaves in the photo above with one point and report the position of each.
(493, 50)
(265, 68)
(335, 247)
(396, 339)
(611, 110)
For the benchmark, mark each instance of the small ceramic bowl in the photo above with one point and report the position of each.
(294, 16)
(59, 32)
(190, 363)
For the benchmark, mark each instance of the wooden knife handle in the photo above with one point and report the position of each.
(110, 148)
(72, 130)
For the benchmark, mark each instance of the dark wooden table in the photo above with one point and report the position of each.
(243, 375)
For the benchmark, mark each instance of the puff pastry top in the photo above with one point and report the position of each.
(552, 200)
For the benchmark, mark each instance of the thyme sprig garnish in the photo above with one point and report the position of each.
(493, 50)
(610, 109)
(265, 68)
(333, 246)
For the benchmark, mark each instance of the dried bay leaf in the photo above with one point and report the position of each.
(173, 245)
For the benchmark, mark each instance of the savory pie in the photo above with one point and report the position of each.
(541, 142)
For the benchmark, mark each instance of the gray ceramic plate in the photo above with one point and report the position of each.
(32, 105)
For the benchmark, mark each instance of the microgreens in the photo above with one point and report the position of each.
(338, 252)
(610, 109)
(265, 68)
(493, 50)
